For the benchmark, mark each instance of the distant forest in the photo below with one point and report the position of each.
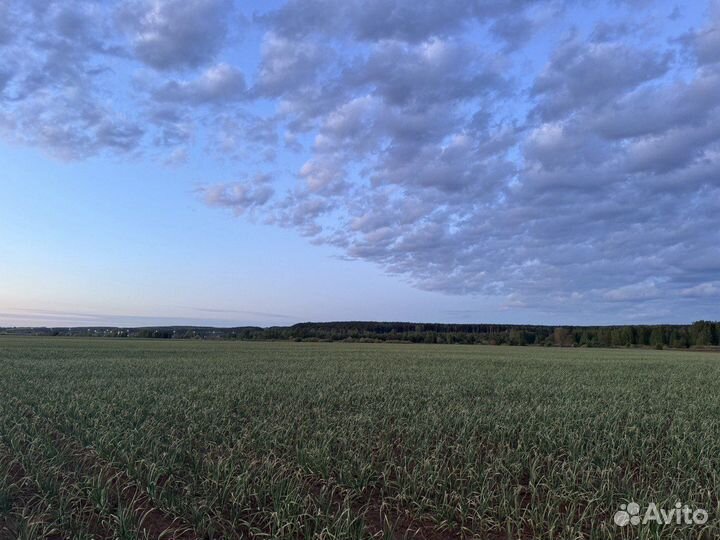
(697, 334)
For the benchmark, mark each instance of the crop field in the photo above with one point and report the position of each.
(197, 439)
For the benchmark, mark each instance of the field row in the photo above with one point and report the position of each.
(113, 439)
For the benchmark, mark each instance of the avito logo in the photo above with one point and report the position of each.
(630, 514)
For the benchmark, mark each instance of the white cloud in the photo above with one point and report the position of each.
(702, 290)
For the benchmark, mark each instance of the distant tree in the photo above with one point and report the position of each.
(703, 333)
(627, 336)
(562, 337)
(679, 338)
(656, 337)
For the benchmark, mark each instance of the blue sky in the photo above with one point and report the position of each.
(79, 251)
(211, 162)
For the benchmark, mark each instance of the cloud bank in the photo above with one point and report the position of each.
(495, 148)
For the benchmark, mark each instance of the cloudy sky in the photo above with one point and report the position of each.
(220, 162)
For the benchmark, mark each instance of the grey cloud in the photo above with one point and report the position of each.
(56, 46)
(428, 73)
(449, 168)
(118, 134)
(64, 84)
(557, 145)
(606, 31)
(245, 136)
(645, 290)
(707, 45)
(298, 18)
(301, 211)
(375, 20)
(657, 109)
(173, 34)
(176, 157)
(324, 175)
(702, 290)
(287, 64)
(591, 74)
(403, 126)
(241, 197)
(674, 149)
(416, 167)
(219, 84)
(5, 28)
(408, 20)
(53, 98)
(173, 127)
(82, 25)
(515, 30)
(70, 125)
(705, 42)
(5, 77)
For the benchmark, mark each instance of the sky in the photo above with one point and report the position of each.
(231, 163)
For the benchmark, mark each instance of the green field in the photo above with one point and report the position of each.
(197, 439)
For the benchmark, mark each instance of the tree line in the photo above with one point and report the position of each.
(697, 334)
